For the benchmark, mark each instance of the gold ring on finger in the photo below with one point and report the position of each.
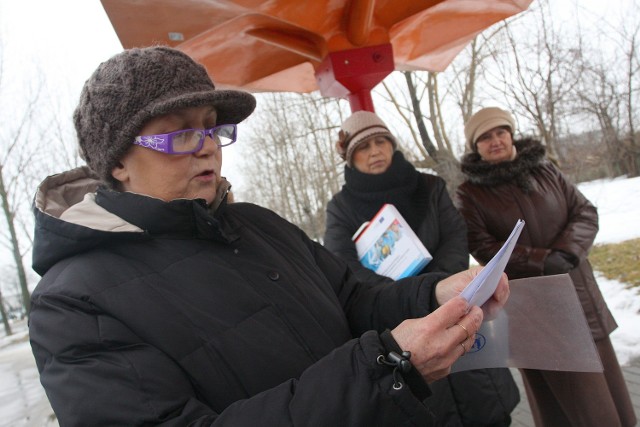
(465, 330)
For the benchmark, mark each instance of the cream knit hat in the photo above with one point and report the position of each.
(484, 120)
(359, 127)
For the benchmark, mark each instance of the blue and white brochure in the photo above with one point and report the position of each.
(388, 245)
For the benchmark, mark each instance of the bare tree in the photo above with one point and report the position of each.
(292, 167)
(630, 47)
(466, 76)
(403, 103)
(407, 97)
(427, 108)
(22, 154)
(465, 79)
(599, 97)
(445, 163)
(609, 83)
(538, 74)
(5, 317)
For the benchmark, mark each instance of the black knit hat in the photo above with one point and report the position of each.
(136, 85)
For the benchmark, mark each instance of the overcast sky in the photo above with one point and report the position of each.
(66, 40)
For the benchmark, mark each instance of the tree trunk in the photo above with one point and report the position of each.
(15, 246)
(5, 318)
(445, 164)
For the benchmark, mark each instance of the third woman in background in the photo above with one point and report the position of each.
(377, 173)
(509, 180)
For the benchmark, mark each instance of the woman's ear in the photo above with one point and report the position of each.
(120, 173)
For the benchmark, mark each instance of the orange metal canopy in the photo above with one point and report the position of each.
(292, 45)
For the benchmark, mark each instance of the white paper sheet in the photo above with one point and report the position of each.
(484, 284)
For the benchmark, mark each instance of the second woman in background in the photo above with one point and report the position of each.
(377, 173)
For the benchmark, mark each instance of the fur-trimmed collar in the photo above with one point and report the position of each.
(531, 154)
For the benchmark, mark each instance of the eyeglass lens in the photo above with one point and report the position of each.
(224, 135)
(190, 140)
(186, 141)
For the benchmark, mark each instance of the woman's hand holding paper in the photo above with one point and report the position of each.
(436, 341)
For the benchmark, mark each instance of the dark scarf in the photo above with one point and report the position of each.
(531, 154)
(367, 192)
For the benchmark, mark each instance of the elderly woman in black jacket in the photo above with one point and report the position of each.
(377, 173)
(161, 304)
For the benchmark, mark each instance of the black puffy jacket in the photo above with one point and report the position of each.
(155, 313)
(423, 201)
(478, 397)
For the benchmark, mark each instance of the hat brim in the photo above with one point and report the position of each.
(231, 106)
(366, 135)
(491, 124)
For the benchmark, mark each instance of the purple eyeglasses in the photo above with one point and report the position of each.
(188, 141)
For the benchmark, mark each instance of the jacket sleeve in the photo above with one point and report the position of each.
(581, 229)
(371, 301)
(338, 233)
(92, 381)
(97, 371)
(452, 254)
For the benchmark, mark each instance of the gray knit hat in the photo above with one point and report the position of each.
(485, 120)
(136, 85)
(359, 127)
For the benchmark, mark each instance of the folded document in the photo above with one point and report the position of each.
(485, 283)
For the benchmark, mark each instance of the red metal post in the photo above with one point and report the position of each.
(361, 101)
(354, 73)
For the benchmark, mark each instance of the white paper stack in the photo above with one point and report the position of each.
(484, 284)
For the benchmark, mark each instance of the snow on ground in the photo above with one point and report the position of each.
(23, 402)
(625, 305)
(618, 203)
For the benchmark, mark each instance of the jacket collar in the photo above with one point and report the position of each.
(531, 155)
(74, 214)
(181, 217)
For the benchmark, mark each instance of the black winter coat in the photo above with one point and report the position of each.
(472, 398)
(156, 313)
(422, 200)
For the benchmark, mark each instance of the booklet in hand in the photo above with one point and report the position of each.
(485, 283)
(388, 245)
